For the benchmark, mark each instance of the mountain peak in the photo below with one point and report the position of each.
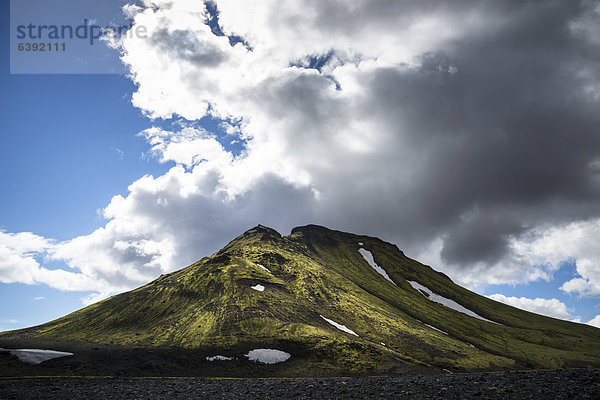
(310, 228)
(255, 235)
(263, 230)
(259, 232)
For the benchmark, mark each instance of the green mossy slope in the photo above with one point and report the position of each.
(318, 272)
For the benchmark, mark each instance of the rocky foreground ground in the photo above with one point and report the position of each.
(569, 384)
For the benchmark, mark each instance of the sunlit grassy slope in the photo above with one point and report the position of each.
(316, 271)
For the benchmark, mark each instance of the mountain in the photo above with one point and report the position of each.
(334, 302)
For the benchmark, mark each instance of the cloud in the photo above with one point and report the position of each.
(536, 255)
(19, 254)
(130, 10)
(38, 298)
(553, 245)
(188, 147)
(454, 120)
(549, 307)
(451, 129)
(594, 321)
(120, 153)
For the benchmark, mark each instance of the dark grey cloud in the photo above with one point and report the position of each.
(502, 126)
(501, 131)
(512, 134)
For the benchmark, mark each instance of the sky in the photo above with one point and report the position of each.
(465, 132)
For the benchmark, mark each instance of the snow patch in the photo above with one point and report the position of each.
(361, 244)
(447, 302)
(339, 326)
(369, 258)
(36, 356)
(383, 344)
(219, 358)
(433, 327)
(263, 267)
(258, 287)
(268, 356)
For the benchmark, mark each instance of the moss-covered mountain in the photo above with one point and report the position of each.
(267, 291)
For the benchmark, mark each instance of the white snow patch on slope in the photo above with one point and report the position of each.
(268, 356)
(369, 258)
(263, 267)
(258, 287)
(219, 358)
(447, 302)
(361, 244)
(433, 327)
(340, 326)
(36, 356)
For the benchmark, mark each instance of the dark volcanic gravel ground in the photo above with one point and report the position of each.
(573, 384)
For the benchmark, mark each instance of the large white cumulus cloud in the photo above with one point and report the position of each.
(20, 255)
(464, 131)
(550, 307)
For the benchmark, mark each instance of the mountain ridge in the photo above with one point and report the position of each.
(310, 278)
